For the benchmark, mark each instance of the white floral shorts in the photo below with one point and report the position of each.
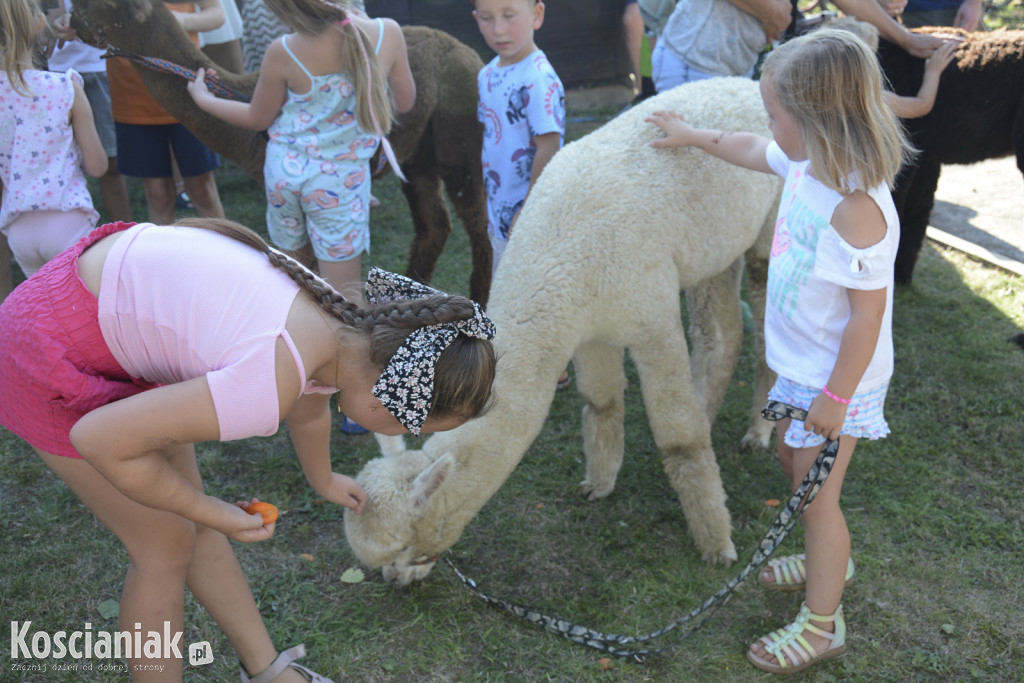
(864, 415)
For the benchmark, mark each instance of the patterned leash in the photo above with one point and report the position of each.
(168, 67)
(615, 644)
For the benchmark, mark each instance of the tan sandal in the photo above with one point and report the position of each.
(789, 574)
(792, 651)
(285, 660)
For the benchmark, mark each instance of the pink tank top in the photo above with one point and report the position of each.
(178, 303)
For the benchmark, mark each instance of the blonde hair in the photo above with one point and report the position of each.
(17, 39)
(464, 372)
(313, 17)
(829, 80)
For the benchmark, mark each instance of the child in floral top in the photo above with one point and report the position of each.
(46, 135)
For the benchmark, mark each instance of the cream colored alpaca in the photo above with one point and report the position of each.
(610, 235)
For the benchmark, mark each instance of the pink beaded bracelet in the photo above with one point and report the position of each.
(837, 399)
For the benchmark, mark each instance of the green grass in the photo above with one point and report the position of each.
(934, 511)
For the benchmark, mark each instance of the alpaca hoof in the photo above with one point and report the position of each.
(723, 557)
(594, 493)
(756, 439)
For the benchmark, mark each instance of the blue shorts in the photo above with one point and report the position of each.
(97, 91)
(144, 151)
(864, 415)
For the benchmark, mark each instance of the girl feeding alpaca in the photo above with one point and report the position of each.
(829, 305)
(322, 96)
(112, 380)
(47, 135)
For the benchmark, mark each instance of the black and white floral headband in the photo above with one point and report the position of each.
(406, 386)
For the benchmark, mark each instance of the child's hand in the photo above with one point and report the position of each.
(238, 525)
(346, 492)
(677, 130)
(198, 88)
(825, 417)
(941, 58)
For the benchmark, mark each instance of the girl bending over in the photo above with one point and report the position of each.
(123, 351)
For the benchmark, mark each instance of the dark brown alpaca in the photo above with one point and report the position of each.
(437, 142)
(978, 115)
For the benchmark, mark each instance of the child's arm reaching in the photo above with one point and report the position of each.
(738, 148)
(907, 107)
(136, 444)
(399, 75)
(309, 423)
(860, 223)
(83, 127)
(267, 98)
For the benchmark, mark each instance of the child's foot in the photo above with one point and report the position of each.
(810, 639)
(788, 574)
(350, 426)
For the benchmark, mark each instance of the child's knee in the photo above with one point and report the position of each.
(166, 551)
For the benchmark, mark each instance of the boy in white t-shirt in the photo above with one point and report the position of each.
(522, 107)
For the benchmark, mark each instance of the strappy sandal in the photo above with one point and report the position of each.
(792, 651)
(789, 574)
(285, 660)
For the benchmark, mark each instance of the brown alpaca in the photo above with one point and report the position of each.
(437, 142)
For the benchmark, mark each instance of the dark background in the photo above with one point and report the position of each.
(582, 38)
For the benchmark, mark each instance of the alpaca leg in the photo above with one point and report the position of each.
(914, 217)
(681, 430)
(716, 333)
(465, 187)
(759, 431)
(430, 220)
(602, 383)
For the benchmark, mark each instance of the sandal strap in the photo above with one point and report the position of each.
(789, 570)
(788, 644)
(282, 662)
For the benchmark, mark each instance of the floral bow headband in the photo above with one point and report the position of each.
(406, 386)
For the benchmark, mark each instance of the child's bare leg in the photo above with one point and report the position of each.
(167, 550)
(827, 538)
(160, 194)
(345, 276)
(159, 546)
(202, 190)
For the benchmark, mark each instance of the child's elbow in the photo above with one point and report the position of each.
(97, 167)
(404, 102)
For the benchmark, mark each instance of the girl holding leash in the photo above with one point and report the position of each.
(137, 342)
(47, 136)
(829, 307)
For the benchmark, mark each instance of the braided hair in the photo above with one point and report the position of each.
(465, 371)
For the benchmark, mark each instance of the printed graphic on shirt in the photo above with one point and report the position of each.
(517, 103)
(793, 248)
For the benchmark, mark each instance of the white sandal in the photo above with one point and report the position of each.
(790, 574)
(285, 660)
(792, 651)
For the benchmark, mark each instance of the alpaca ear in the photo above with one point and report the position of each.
(429, 481)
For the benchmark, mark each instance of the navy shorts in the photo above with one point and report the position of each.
(144, 151)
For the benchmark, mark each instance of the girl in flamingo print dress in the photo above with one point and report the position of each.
(322, 97)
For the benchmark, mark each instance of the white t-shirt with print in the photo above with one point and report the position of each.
(517, 102)
(811, 267)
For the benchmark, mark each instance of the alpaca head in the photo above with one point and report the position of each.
(387, 533)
